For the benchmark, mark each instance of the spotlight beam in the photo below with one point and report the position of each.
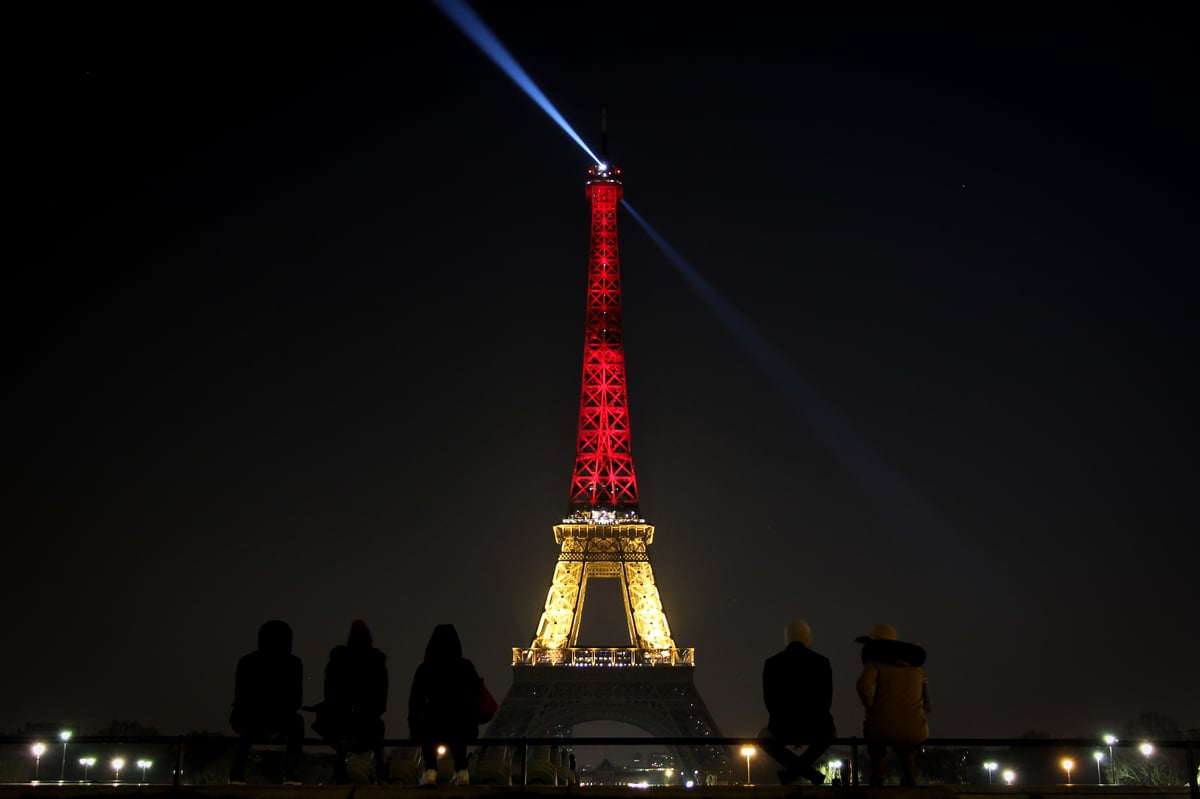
(886, 486)
(467, 21)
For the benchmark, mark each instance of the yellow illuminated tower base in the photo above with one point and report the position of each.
(648, 684)
(609, 551)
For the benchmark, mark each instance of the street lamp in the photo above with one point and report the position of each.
(1147, 749)
(1068, 764)
(1009, 775)
(989, 767)
(747, 752)
(86, 762)
(38, 750)
(118, 763)
(64, 736)
(835, 769)
(1112, 761)
(143, 765)
(1098, 756)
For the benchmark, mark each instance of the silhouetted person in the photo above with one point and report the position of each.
(443, 705)
(797, 686)
(356, 687)
(268, 691)
(893, 691)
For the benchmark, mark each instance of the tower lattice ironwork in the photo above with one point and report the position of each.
(649, 682)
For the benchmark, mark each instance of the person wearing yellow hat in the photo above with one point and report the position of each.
(798, 691)
(894, 693)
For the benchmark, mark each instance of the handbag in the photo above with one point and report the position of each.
(487, 703)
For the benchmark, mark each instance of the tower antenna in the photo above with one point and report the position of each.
(604, 133)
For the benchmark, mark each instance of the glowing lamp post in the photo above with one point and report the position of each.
(143, 765)
(1009, 775)
(38, 750)
(117, 764)
(87, 763)
(835, 769)
(1147, 749)
(747, 752)
(1098, 756)
(1112, 761)
(64, 736)
(1068, 764)
(989, 767)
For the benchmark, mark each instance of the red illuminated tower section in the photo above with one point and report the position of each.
(604, 483)
(603, 536)
(646, 681)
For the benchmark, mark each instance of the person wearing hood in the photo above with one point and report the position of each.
(268, 691)
(893, 691)
(797, 686)
(443, 704)
(356, 688)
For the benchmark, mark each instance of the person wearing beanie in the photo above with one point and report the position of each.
(895, 696)
(351, 716)
(797, 688)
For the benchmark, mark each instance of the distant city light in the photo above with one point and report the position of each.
(64, 736)
(38, 750)
(1111, 739)
(748, 752)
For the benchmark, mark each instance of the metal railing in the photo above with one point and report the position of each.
(518, 755)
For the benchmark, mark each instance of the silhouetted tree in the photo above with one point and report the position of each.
(1150, 725)
(128, 729)
(1162, 767)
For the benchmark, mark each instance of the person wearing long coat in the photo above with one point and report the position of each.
(895, 695)
(797, 686)
(443, 705)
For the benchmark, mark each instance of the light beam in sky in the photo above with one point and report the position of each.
(886, 487)
(461, 14)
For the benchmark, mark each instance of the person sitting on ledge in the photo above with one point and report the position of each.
(268, 691)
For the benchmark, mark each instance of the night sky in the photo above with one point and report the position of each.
(294, 311)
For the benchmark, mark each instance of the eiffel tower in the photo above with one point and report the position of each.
(649, 682)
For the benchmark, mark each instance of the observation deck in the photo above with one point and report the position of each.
(603, 656)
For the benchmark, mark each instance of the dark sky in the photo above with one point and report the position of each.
(294, 319)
